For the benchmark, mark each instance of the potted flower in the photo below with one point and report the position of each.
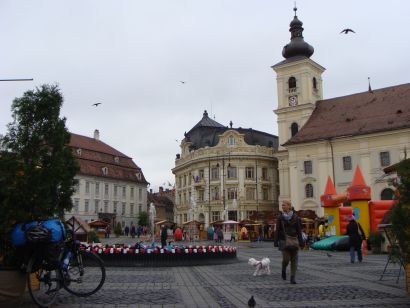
(401, 216)
(37, 172)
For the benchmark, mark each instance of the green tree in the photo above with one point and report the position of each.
(401, 211)
(143, 219)
(37, 167)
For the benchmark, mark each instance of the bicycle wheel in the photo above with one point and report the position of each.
(43, 284)
(85, 274)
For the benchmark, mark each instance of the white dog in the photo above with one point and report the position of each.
(261, 267)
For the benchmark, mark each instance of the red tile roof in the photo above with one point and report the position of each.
(93, 155)
(381, 110)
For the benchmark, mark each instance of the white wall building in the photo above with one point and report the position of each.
(110, 185)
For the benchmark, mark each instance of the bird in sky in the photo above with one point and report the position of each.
(182, 81)
(251, 302)
(346, 31)
(96, 104)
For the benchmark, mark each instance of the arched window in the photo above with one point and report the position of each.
(309, 191)
(292, 82)
(294, 128)
(387, 194)
(314, 83)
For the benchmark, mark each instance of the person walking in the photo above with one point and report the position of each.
(132, 231)
(127, 231)
(164, 234)
(288, 237)
(356, 235)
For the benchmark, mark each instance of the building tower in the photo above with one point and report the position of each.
(299, 82)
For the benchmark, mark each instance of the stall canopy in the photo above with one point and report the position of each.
(80, 228)
(98, 224)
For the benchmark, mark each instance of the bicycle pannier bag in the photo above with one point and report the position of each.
(18, 235)
(57, 230)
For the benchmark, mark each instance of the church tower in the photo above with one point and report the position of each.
(299, 82)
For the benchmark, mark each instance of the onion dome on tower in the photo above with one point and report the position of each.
(297, 46)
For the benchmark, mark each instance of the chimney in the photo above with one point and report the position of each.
(97, 134)
(161, 190)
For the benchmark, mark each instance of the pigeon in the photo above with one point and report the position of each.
(251, 302)
(346, 31)
(328, 254)
(96, 104)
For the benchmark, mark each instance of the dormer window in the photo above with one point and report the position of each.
(231, 140)
(292, 83)
(105, 170)
(78, 152)
(138, 175)
(117, 159)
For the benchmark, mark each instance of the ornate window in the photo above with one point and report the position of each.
(307, 164)
(231, 141)
(384, 159)
(232, 193)
(309, 191)
(294, 128)
(214, 173)
(250, 193)
(292, 83)
(347, 163)
(231, 172)
(249, 172)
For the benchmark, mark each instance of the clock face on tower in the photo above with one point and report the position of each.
(293, 100)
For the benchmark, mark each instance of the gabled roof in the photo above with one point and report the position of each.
(92, 144)
(363, 113)
(93, 156)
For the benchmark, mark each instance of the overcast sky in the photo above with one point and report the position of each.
(131, 55)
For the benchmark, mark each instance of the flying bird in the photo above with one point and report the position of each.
(346, 31)
(328, 254)
(182, 81)
(251, 302)
(96, 104)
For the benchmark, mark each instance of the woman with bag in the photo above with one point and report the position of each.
(288, 237)
(356, 236)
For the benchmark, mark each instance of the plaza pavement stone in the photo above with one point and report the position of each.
(323, 280)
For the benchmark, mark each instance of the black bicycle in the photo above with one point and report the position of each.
(67, 265)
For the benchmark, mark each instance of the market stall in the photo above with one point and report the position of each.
(230, 228)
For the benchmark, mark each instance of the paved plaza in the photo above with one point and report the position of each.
(322, 281)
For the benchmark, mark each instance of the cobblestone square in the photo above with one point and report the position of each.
(323, 281)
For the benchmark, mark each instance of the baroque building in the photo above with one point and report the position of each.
(225, 173)
(110, 186)
(330, 137)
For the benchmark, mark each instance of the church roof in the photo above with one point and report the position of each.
(363, 113)
(207, 131)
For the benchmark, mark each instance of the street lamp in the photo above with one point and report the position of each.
(223, 180)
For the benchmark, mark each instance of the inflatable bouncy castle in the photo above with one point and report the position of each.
(367, 212)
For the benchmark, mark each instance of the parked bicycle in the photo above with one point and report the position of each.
(53, 266)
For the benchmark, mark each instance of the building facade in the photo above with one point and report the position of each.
(330, 137)
(224, 173)
(110, 186)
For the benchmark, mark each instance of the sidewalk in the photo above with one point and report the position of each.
(323, 281)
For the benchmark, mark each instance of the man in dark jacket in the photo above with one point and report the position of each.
(288, 223)
(356, 235)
